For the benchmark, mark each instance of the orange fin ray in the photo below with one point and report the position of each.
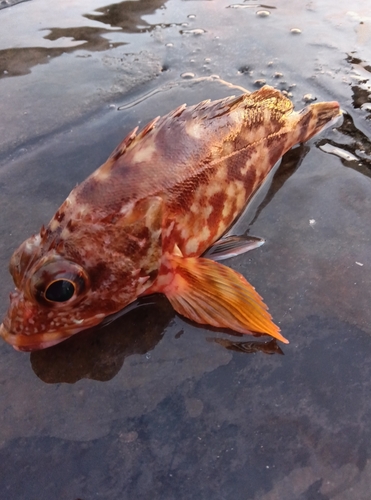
(209, 293)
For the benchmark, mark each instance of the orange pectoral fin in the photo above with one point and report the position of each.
(209, 293)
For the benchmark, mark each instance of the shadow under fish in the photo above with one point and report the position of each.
(99, 354)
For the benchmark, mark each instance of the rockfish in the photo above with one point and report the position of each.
(140, 223)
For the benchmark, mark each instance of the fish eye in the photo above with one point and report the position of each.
(60, 291)
(58, 282)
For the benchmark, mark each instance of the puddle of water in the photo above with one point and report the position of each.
(186, 411)
(10, 3)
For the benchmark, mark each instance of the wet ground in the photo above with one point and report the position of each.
(152, 406)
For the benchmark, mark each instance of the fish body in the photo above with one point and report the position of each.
(139, 224)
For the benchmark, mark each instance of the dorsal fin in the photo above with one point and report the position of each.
(150, 126)
(121, 148)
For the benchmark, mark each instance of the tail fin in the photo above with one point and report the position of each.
(316, 117)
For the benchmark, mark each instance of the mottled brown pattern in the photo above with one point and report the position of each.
(181, 196)
(172, 189)
(101, 194)
(217, 201)
(71, 225)
(275, 148)
(304, 122)
(59, 216)
(135, 243)
(98, 275)
(73, 251)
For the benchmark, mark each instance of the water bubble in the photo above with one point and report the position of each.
(295, 31)
(187, 76)
(191, 16)
(207, 60)
(309, 98)
(148, 355)
(169, 44)
(197, 31)
(239, 6)
(260, 82)
(263, 13)
(184, 24)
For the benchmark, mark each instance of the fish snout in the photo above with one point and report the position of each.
(10, 338)
(29, 328)
(34, 342)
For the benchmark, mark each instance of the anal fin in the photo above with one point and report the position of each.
(209, 293)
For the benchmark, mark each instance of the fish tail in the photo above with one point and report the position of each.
(315, 118)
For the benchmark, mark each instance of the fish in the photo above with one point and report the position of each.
(142, 223)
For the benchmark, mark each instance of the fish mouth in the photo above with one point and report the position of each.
(36, 341)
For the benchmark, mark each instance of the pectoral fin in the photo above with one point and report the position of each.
(230, 246)
(210, 293)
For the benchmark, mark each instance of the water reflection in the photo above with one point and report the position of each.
(99, 354)
(128, 15)
(125, 16)
(353, 141)
(350, 144)
(361, 97)
(269, 347)
(10, 3)
(17, 62)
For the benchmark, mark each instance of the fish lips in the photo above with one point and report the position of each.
(36, 341)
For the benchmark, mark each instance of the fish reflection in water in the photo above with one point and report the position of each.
(100, 353)
(270, 347)
(139, 224)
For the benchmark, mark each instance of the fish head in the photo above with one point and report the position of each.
(56, 296)
(68, 281)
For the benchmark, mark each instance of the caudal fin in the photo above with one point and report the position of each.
(315, 118)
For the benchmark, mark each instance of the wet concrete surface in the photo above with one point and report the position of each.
(153, 406)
